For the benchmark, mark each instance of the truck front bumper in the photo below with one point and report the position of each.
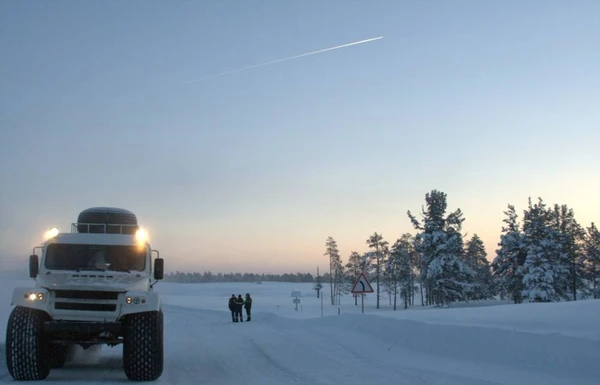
(82, 327)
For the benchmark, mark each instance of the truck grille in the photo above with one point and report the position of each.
(85, 306)
(85, 300)
(81, 294)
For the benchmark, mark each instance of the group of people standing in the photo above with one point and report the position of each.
(236, 304)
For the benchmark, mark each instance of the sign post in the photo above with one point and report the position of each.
(362, 286)
(322, 305)
(296, 295)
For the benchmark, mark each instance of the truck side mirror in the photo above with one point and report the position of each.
(159, 268)
(34, 267)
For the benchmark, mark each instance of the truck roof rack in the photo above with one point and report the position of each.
(103, 228)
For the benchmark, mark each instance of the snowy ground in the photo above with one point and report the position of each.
(507, 344)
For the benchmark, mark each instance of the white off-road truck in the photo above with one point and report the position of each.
(93, 286)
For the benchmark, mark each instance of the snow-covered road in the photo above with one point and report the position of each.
(205, 347)
(488, 345)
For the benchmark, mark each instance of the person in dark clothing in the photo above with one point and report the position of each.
(248, 307)
(232, 307)
(239, 303)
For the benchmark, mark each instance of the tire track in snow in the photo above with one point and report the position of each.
(415, 376)
(290, 346)
(272, 362)
(221, 360)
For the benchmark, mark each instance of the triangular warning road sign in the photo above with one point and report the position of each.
(362, 285)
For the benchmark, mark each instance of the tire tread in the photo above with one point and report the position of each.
(26, 346)
(143, 346)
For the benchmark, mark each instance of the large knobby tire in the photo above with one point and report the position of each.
(143, 346)
(109, 216)
(26, 345)
(57, 355)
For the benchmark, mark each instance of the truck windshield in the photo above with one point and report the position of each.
(95, 257)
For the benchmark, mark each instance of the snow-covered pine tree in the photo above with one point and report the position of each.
(541, 242)
(568, 268)
(426, 244)
(368, 262)
(414, 266)
(457, 276)
(335, 264)
(390, 282)
(402, 259)
(353, 270)
(420, 266)
(440, 246)
(476, 259)
(507, 267)
(385, 272)
(354, 266)
(339, 285)
(390, 279)
(592, 258)
(379, 246)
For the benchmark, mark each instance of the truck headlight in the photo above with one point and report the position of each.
(35, 296)
(135, 300)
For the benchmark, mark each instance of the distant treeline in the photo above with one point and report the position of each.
(207, 276)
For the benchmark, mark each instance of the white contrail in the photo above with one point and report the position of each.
(284, 59)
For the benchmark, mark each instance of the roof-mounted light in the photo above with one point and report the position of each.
(51, 233)
(141, 236)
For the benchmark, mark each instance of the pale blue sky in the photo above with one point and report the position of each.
(490, 102)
